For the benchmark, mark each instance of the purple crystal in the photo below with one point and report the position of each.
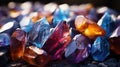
(58, 41)
(78, 49)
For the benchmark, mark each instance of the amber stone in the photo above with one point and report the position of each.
(35, 56)
(58, 41)
(17, 44)
(88, 27)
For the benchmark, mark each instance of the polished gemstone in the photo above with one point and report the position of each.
(17, 44)
(26, 24)
(35, 56)
(78, 49)
(100, 49)
(4, 39)
(58, 41)
(114, 41)
(39, 33)
(88, 27)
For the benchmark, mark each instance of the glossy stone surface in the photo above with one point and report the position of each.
(88, 27)
(26, 24)
(58, 17)
(4, 39)
(114, 41)
(35, 56)
(58, 41)
(17, 44)
(100, 49)
(39, 33)
(78, 49)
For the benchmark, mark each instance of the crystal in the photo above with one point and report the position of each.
(58, 41)
(39, 33)
(4, 39)
(35, 56)
(100, 49)
(88, 27)
(58, 17)
(26, 24)
(107, 22)
(114, 41)
(17, 44)
(78, 49)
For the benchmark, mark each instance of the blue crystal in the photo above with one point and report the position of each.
(4, 39)
(26, 24)
(100, 49)
(58, 16)
(40, 32)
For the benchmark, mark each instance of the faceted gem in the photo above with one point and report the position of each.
(78, 49)
(17, 44)
(100, 49)
(39, 33)
(58, 17)
(58, 41)
(4, 39)
(114, 41)
(108, 24)
(35, 56)
(26, 24)
(88, 28)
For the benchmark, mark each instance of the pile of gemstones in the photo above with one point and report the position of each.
(52, 35)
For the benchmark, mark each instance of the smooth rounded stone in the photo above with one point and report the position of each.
(102, 65)
(17, 44)
(100, 49)
(26, 24)
(36, 57)
(4, 39)
(58, 16)
(39, 33)
(88, 27)
(58, 41)
(78, 49)
(114, 41)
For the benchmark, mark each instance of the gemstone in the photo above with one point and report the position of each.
(71, 21)
(108, 24)
(4, 39)
(88, 27)
(17, 44)
(35, 56)
(73, 32)
(39, 33)
(58, 17)
(78, 49)
(58, 41)
(100, 49)
(26, 24)
(114, 41)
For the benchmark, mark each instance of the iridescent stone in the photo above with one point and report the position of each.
(17, 44)
(4, 39)
(100, 49)
(58, 17)
(39, 33)
(58, 41)
(35, 56)
(88, 27)
(78, 49)
(114, 41)
(107, 22)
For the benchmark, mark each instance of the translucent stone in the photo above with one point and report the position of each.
(26, 24)
(58, 41)
(17, 44)
(78, 49)
(88, 27)
(35, 56)
(39, 33)
(114, 41)
(4, 39)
